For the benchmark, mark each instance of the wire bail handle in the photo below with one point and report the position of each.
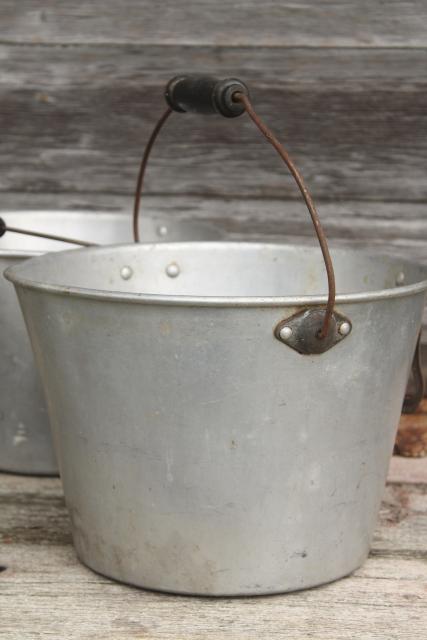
(41, 234)
(230, 98)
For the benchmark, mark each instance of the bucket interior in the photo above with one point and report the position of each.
(217, 269)
(97, 227)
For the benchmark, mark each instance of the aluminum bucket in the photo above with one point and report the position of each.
(25, 443)
(199, 452)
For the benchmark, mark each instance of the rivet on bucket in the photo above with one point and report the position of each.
(172, 270)
(126, 272)
(400, 278)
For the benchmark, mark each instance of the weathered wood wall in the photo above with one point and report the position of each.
(344, 83)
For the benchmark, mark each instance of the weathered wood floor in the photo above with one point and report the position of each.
(46, 593)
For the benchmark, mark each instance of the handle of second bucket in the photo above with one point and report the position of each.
(230, 98)
(42, 234)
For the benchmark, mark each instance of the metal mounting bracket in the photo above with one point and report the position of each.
(301, 331)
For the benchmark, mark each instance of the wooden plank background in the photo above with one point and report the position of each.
(343, 83)
(196, 22)
(46, 592)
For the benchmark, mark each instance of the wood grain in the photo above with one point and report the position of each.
(45, 592)
(42, 68)
(75, 119)
(397, 227)
(48, 595)
(197, 22)
(407, 470)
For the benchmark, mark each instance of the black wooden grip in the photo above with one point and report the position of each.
(205, 94)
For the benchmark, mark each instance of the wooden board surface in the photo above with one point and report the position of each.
(251, 23)
(46, 593)
(76, 119)
(394, 227)
(342, 83)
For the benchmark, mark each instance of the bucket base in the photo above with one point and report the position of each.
(221, 594)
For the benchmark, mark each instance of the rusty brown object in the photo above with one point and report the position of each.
(244, 99)
(416, 386)
(142, 168)
(411, 439)
(308, 201)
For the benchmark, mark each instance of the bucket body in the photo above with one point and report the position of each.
(25, 441)
(198, 453)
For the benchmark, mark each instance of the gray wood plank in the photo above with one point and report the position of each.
(249, 23)
(44, 68)
(402, 529)
(408, 470)
(400, 226)
(45, 592)
(80, 123)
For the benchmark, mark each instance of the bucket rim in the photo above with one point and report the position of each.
(78, 214)
(100, 215)
(401, 291)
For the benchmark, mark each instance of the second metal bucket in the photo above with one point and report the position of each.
(205, 446)
(25, 442)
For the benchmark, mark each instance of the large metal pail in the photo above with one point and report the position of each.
(25, 443)
(200, 453)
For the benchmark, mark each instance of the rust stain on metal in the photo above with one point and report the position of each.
(411, 440)
(416, 386)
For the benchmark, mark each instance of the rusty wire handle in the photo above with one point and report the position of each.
(321, 236)
(230, 98)
(141, 174)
